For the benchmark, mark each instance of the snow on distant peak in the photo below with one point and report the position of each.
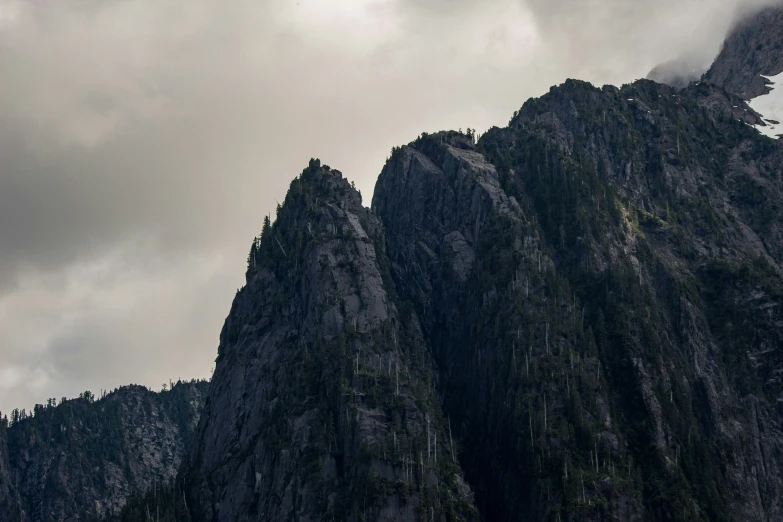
(770, 108)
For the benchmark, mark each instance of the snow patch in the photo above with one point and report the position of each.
(770, 107)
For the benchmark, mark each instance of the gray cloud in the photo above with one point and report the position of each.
(143, 141)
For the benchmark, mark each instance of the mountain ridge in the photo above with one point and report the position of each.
(578, 316)
(660, 190)
(321, 405)
(83, 458)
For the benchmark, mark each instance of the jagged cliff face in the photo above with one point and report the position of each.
(518, 370)
(755, 47)
(82, 460)
(600, 283)
(581, 313)
(10, 504)
(322, 405)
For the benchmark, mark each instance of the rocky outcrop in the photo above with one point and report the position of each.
(697, 228)
(589, 280)
(10, 504)
(754, 48)
(582, 312)
(83, 459)
(522, 379)
(322, 405)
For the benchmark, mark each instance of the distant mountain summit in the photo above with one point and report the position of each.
(753, 49)
(678, 73)
(750, 65)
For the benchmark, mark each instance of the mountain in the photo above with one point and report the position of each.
(754, 48)
(82, 459)
(603, 277)
(750, 65)
(323, 403)
(578, 316)
(586, 303)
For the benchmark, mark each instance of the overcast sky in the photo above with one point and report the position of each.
(143, 141)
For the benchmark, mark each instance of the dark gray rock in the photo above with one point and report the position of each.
(82, 460)
(656, 216)
(472, 261)
(321, 406)
(754, 47)
(583, 311)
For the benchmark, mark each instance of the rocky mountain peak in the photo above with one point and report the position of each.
(330, 182)
(322, 405)
(753, 48)
(527, 257)
(578, 316)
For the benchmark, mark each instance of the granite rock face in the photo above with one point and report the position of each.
(587, 304)
(754, 47)
(82, 460)
(578, 316)
(613, 348)
(322, 405)
(696, 197)
(476, 266)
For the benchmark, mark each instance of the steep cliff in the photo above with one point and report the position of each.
(518, 370)
(600, 283)
(754, 48)
(82, 459)
(322, 404)
(10, 504)
(582, 310)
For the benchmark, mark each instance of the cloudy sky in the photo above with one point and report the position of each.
(143, 141)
